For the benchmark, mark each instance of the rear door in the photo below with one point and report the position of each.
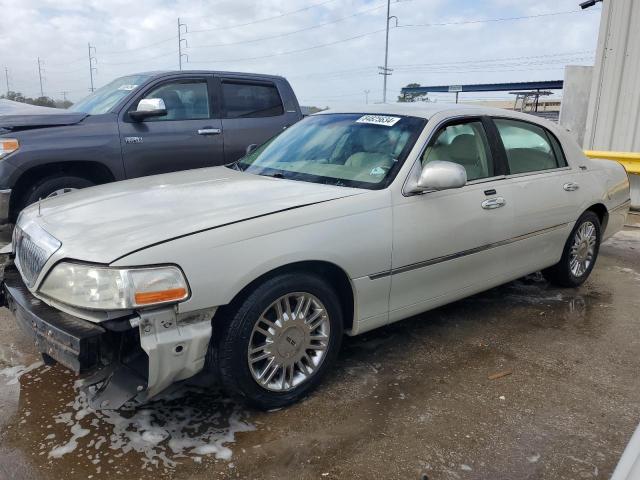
(253, 111)
(546, 192)
(189, 136)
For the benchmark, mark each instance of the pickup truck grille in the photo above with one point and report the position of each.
(30, 258)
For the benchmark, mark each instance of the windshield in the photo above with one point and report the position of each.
(103, 99)
(356, 150)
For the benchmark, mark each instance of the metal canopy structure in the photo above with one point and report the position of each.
(488, 87)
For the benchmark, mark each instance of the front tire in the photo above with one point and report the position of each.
(52, 186)
(275, 346)
(579, 255)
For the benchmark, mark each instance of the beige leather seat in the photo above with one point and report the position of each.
(377, 151)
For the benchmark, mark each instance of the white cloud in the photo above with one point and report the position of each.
(58, 32)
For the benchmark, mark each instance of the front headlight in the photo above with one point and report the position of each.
(104, 288)
(8, 145)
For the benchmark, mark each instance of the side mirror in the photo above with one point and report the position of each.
(149, 107)
(439, 175)
(251, 148)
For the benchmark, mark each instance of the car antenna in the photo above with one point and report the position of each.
(39, 214)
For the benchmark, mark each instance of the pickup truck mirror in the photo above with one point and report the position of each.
(149, 107)
(440, 175)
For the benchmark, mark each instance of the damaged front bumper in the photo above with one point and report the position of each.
(134, 357)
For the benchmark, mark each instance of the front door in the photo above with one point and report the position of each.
(188, 136)
(447, 244)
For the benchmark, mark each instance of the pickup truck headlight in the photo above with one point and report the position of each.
(103, 288)
(7, 146)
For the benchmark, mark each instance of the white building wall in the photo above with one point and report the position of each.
(575, 100)
(613, 119)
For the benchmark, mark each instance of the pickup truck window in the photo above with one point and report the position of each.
(355, 150)
(184, 100)
(105, 98)
(248, 100)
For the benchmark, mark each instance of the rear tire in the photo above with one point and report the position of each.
(276, 344)
(579, 255)
(52, 186)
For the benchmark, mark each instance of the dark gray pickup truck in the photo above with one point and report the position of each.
(139, 125)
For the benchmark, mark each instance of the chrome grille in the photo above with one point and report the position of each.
(30, 258)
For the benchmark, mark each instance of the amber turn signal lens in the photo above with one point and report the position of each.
(8, 146)
(145, 298)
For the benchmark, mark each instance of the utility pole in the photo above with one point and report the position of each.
(366, 96)
(64, 96)
(6, 76)
(386, 71)
(180, 40)
(92, 67)
(40, 76)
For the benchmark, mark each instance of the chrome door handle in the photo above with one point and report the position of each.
(209, 131)
(571, 186)
(492, 203)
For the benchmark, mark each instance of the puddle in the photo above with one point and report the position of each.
(186, 424)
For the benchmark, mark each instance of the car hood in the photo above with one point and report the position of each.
(40, 120)
(103, 223)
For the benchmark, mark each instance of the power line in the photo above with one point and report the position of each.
(137, 62)
(129, 50)
(266, 19)
(286, 34)
(297, 50)
(490, 20)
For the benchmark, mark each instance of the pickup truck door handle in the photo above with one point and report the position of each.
(492, 203)
(209, 131)
(571, 186)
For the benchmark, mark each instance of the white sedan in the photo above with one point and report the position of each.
(347, 221)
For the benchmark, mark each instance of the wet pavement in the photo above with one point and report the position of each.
(417, 399)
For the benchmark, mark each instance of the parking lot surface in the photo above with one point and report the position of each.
(524, 381)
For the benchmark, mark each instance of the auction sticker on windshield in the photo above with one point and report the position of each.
(379, 120)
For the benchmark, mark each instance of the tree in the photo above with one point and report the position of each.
(40, 101)
(413, 97)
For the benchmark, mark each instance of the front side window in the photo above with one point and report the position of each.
(527, 146)
(247, 100)
(184, 100)
(355, 150)
(465, 144)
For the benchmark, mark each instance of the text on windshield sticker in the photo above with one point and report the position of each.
(379, 120)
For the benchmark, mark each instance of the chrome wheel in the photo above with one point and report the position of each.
(60, 191)
(289, 342)
(583, 249)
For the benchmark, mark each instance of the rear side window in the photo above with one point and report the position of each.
(249, 100)
(528, 146)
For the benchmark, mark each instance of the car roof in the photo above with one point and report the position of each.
(164, 73)
(429, 109)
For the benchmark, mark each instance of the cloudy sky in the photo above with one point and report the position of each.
(330, 50)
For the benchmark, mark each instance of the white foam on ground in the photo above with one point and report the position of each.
(14, 373)
(185, 423)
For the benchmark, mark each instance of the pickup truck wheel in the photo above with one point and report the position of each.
(278, 343)
(53, 186)
(579, 255)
